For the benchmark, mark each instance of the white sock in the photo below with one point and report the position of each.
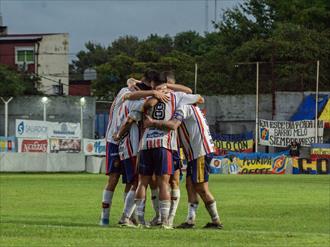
(164, 210)
(129, 204)
(140, 205)
(192, 208)
(213, 211)
(155, 201)
(106, 204)
(175, 198)
(124, 196)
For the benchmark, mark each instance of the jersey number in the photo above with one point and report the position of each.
(159, 111)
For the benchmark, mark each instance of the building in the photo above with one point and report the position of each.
(45, 55)
(80, 88)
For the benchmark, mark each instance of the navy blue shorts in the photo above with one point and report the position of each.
(198, 169)
(112, 161)
(158, 161)
(176, 160)
(129, 170)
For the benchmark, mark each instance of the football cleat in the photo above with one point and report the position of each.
(167, 227)
(212, 225)
(155, 221)
(104, 222)
(185, 225)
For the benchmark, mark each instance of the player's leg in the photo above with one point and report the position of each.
(192, 200)
(164, 169)
(200, 180)
(145, 173)
(113, 171)
(155, 201)
(175, 194)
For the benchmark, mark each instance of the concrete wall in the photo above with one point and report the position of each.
(53, 62)
(59, 109)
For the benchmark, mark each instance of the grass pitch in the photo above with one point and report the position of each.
(257, 210)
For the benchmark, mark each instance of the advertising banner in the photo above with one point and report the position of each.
(319, 151)
(65, 145)
(32, 145)
(307, 166)
(94, 147)
(64, 130)
(7, 144)
(31, 129)
(282, 133)
(259, 163)
(235, 143)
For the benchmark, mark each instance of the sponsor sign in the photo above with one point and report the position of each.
(282, 133)
(31, 129)
(308, 166)
(64, 130)
(7, 144)
(235, 143)
(32, 145)
(95, 147)
(319, 151)
(65, 145)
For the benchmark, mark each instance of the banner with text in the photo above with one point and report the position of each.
(236, 143)
(31, 129)
(7, 144)
(308, 166)
(32, 145)
(95, 147)
(319, 151)
(64, 130)
(282, 133)
(65, 145)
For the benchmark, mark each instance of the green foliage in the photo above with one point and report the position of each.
(257, 210)
(13, 83)
(287, 37)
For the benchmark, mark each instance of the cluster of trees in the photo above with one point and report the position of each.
(287, 37)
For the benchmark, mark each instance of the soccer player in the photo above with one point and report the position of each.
(198, 146)
(113, 165)
(156, 151)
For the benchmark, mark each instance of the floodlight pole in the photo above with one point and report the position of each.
(317, 98)
(257, 107)
(196, 69)
(82, 104)
(6, 114)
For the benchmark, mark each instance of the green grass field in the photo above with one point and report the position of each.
(257, 210)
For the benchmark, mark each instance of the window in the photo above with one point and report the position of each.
(24, 55)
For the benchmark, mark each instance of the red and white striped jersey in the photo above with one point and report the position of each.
(115, 115)
(129, 144)
(156, 138)
(194, 132)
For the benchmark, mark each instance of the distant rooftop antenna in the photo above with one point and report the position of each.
(206, 16)
(1, 23)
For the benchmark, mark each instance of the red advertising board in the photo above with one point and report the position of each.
(38, 146)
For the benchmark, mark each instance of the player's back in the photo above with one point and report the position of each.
(194, 132)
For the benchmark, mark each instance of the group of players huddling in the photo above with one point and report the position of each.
(149, 121)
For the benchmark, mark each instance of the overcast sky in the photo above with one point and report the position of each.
(103, 21)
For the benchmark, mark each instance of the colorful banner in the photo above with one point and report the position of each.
(260, 163)
(65, 145)
(308, 166)
(32, 145)
(282, 133)
(64, 130)
(325, 115)
(31, 129)
(319, 151)
(95, 147)
(235, 143)
(7, 144)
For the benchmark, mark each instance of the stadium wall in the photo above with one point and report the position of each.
(59, 109)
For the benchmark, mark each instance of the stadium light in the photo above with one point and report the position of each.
(82, 104)
(6, 114)
(44, 101)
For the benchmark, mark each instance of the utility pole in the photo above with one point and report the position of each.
(206, 16)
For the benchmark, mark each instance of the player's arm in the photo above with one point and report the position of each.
(148, 104)
(179, 88)
(172, 124)
(147, 93)
(124, 129)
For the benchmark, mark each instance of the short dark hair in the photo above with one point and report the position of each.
(149, 75)
(169, 75)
